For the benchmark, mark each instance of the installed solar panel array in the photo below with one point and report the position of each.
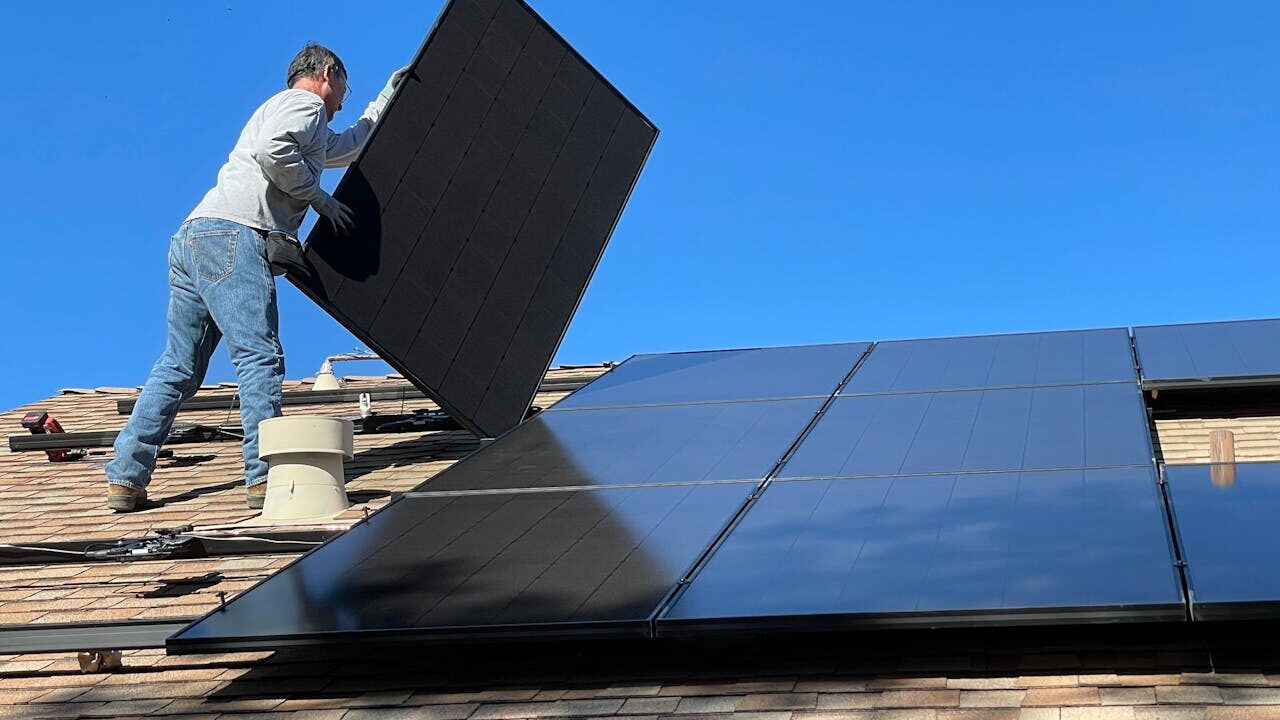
(967, 480)
(696, 492)
(483, 201)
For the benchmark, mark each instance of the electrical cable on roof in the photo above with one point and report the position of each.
(231, 404)
(40, 549)
(256, 539)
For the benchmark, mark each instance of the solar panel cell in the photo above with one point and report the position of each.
(507, 34)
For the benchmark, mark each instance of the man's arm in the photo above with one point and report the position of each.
(343, 147)
(289, 135)
(283, 142)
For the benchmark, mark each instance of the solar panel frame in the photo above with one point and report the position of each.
(596, 551)
(1170, 356)
(482, 380)
(772, 574)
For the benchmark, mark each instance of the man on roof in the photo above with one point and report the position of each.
(220, 280)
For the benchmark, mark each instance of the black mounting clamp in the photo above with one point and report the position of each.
(165, 543)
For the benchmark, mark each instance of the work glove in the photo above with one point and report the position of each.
(394, 82)
(338, 215)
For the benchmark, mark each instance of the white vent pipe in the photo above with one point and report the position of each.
(304, 456)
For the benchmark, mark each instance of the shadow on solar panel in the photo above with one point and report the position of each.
(483, 202)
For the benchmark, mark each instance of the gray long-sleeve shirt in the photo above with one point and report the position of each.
(273, 173)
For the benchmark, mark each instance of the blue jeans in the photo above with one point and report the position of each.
(219, 285)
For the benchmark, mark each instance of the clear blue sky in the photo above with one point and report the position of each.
(827, 171)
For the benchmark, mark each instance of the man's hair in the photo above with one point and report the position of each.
(311, 62)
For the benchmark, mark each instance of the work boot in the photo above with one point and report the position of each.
(256, 496)
(123, 498)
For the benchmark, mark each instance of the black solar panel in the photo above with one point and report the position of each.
(722, 375)
(632, 446)
(591, 562)
(483, 201)
(1244, 352)
(1034, 359)
(1009, 429)
(1079, 545)
(1230, 538)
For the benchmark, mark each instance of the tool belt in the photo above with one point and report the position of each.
(284, 254)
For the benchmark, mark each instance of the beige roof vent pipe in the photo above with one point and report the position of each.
(1222, 458)
(325, 377)
(304, 455)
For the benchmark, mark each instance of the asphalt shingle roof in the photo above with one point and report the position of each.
(1024, 674)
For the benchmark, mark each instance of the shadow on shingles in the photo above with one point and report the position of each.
(366, 495)
(192, 494)
(182, 461)
(415, 450)
(177, 587)
(355, 668)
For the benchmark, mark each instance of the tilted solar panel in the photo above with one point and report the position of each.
(483, 201)
(1245, 352)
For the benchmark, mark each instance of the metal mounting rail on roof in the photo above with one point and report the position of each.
(183, 542)
(76, 637)
(403, 391)
(371, 425)
(107, 438)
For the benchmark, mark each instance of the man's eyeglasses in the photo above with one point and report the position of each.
(346, 89)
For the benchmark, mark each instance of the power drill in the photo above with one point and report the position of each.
(40, 422)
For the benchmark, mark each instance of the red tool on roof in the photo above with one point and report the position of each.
(40, 422)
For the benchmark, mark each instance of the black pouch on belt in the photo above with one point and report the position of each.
(284, 254)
